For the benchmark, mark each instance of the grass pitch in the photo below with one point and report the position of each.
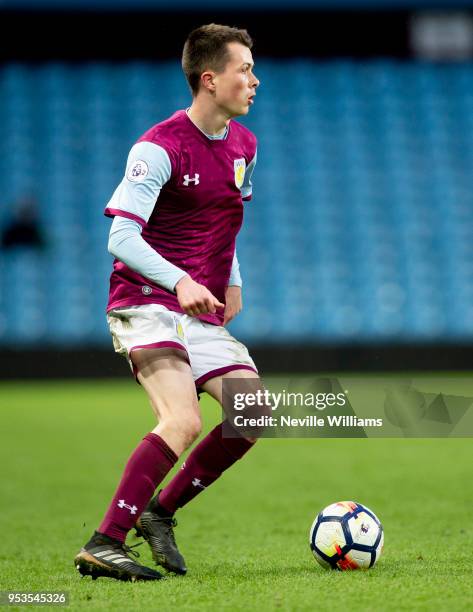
(245, 539)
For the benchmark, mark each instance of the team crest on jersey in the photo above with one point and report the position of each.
(138, 171)
(240, 167)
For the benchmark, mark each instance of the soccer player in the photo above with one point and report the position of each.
(175, 285)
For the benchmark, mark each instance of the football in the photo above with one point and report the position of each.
(346, 536)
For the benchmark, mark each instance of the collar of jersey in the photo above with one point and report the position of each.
(207, 137)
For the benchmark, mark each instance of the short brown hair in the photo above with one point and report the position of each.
(206, 47)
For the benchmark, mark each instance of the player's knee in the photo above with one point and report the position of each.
(188, 433)
(186, 429)
(191, 429)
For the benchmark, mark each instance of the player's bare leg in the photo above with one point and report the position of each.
(210, 458)
(214, 386)
(167, 378)
(168, 381)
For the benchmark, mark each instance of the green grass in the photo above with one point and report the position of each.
(245, 539)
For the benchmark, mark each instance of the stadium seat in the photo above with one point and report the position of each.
(359, 226)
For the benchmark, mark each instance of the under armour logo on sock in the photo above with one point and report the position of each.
(196, 482)
(132, 509)
(188, 180)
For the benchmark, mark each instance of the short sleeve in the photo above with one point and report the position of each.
(148, 169)
(247, 187)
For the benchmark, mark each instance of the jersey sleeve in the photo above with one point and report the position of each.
(235, 276)
(247, 187)
(126, 244)
(148, 169)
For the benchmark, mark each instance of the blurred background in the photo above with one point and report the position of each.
(356, 252)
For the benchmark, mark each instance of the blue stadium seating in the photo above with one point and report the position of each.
(361, 220)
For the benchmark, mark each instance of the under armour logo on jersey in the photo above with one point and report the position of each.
(188, 180)
(196, 482)
(132, 509)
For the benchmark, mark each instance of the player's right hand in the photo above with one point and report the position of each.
(194, 298)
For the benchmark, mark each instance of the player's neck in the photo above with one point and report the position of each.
(208, 120)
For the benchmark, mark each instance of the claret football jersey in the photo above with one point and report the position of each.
(185, 190)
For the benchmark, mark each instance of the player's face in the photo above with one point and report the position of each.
(235, 87)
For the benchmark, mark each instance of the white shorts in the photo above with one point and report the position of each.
(210, 349)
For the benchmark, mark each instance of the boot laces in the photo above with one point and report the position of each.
(129, 549)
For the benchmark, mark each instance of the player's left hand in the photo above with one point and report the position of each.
(233, 303)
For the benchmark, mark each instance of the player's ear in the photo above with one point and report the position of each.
(207, 79)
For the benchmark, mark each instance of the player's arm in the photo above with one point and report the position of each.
(233, 299)
(126, 244)
(247, 187)
(235, 276)
(148, 169)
